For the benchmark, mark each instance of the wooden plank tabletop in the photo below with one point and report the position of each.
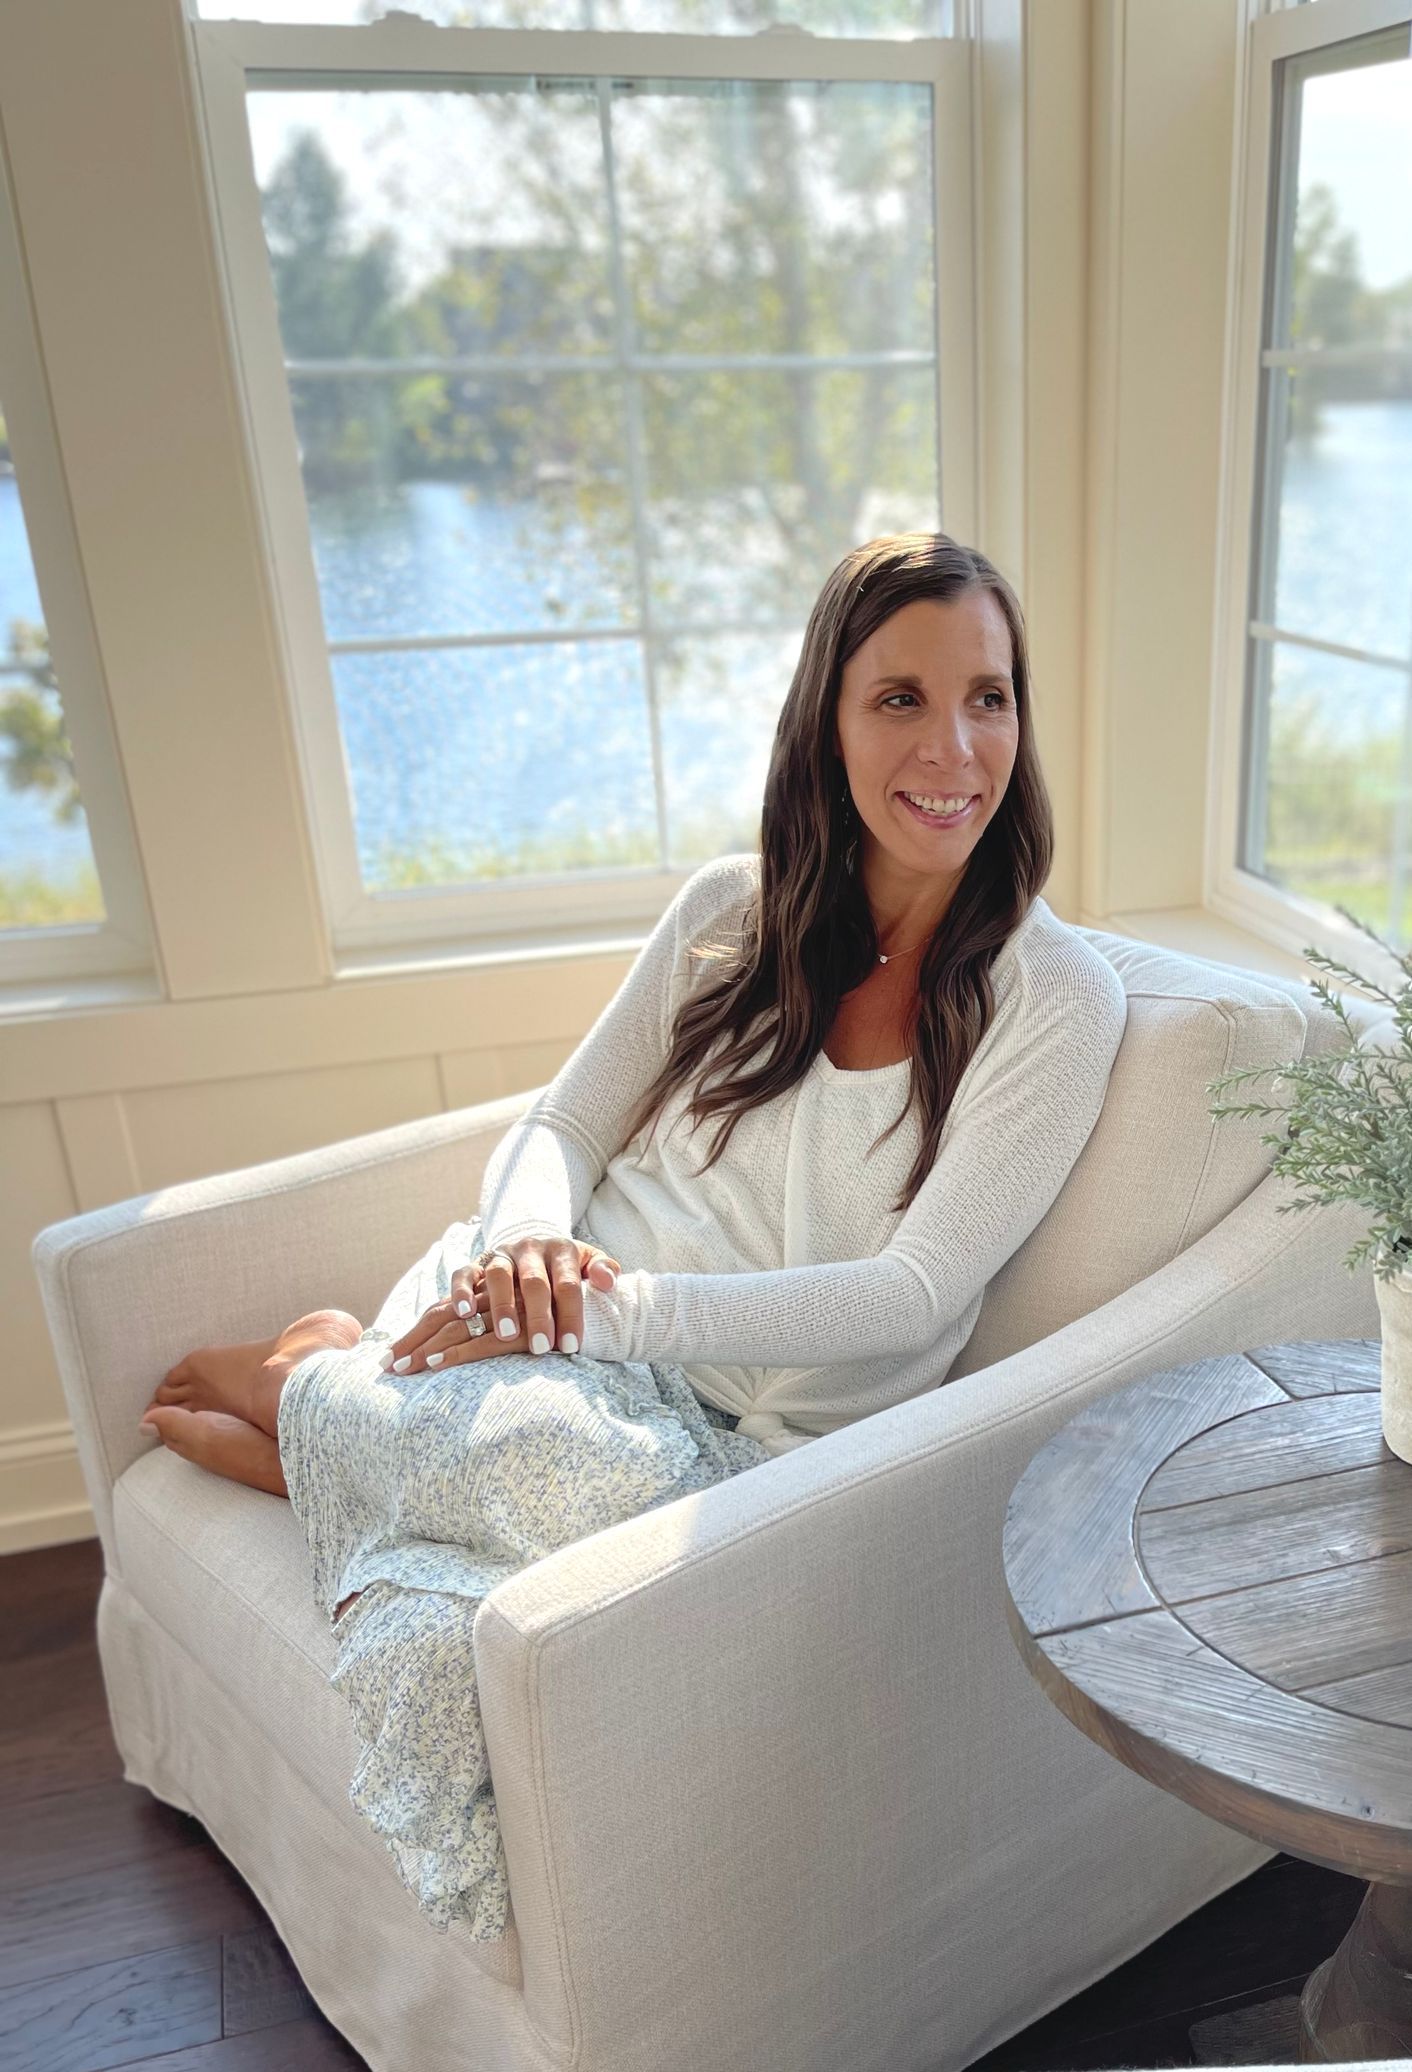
(1210, 1573)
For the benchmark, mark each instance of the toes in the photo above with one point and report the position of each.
(172, 1391)
(170, 1423)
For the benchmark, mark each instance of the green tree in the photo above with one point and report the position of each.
(762, 219)
(335, 302)
(37, 756)
(37, 752)
(1331, 305)
(1329, 301)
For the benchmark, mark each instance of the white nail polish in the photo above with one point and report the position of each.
(435, 1359)
(507, 1327)
(539, 1343)
(385, 1359)
(463, 1309)
(568, 1343)
(401, 1366)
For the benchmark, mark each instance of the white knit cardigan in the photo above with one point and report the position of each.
(780, 1279)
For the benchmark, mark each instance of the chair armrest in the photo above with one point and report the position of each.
(789, 1710)
(129, 1288)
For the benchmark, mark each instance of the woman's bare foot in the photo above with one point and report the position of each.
(224, 1444)
(244, 1381)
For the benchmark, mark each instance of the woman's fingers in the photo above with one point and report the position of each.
(499, 1274)
(468, 1292)
(450, 1347)
(532, 1285)
(561, 1256)
(536, 1292)
(423, 1335)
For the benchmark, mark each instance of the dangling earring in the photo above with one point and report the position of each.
(850, 812)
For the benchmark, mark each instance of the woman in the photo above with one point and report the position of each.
(907, 1051)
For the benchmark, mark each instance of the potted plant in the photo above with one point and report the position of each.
(1348, 1137)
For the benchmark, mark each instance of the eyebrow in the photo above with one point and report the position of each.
(914, 683)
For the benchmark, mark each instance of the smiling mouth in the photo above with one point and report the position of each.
(930, 819)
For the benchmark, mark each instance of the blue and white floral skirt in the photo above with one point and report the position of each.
(425, 1490)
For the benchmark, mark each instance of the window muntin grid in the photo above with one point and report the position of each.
(598, 331)
(1327, 776)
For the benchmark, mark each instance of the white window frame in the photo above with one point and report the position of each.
(122, 943)
(224, 55)
(1239, 895)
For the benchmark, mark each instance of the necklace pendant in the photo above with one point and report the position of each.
(882, 960)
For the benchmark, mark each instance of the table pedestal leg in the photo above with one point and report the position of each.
(1358, 2004)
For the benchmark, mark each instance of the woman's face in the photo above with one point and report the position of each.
(927, 706)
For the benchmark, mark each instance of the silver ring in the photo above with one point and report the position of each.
(486, 1257)
(476, 1326)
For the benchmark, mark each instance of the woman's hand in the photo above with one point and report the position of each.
(550, 1272)
(547, 1274)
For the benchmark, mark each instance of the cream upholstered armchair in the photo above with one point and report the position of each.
(775, 1788)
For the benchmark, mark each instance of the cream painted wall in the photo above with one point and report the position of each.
(1164, 80)
(257, 1049)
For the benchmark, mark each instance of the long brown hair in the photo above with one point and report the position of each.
(808, 938)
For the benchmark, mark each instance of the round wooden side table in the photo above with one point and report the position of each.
(1210, 1573)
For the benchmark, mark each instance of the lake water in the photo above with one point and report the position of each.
(497, 746)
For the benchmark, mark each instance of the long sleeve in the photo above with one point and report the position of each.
(538, 1180)
(1023, 1112)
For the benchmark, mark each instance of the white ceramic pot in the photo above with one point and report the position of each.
(1395, 1310)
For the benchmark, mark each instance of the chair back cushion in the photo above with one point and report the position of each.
(1159, 1170)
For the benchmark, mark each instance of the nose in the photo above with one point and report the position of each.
(947, 748)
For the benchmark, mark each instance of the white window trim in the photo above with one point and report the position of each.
(123, 942)
(223, 54)
(1238, 895)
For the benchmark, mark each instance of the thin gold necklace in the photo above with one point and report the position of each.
(901, 953)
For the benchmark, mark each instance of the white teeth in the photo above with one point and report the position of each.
(945, 807)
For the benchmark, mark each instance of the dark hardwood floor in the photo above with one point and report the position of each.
(129, 1941)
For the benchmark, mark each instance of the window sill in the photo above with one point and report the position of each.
(42, 999)
(550, 946)
(1194, 930)
(1198, 932)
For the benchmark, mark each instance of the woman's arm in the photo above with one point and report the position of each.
(538, 1180)
(1023, 1112)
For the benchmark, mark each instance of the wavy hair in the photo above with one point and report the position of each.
(808, 937)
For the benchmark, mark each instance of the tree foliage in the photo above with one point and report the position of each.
(1331, 305)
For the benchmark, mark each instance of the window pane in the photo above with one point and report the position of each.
(1336, 793)
(697, 17)
(427, 225)
(1343, 523)
(759, 482)
(1327, 792)
(720, 700)
(508, 425)
(767, 218)
(498, 762)
(1352, 220)
(525, 526)
(47, 874)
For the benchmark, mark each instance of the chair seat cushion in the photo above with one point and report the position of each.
(224, 1570)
